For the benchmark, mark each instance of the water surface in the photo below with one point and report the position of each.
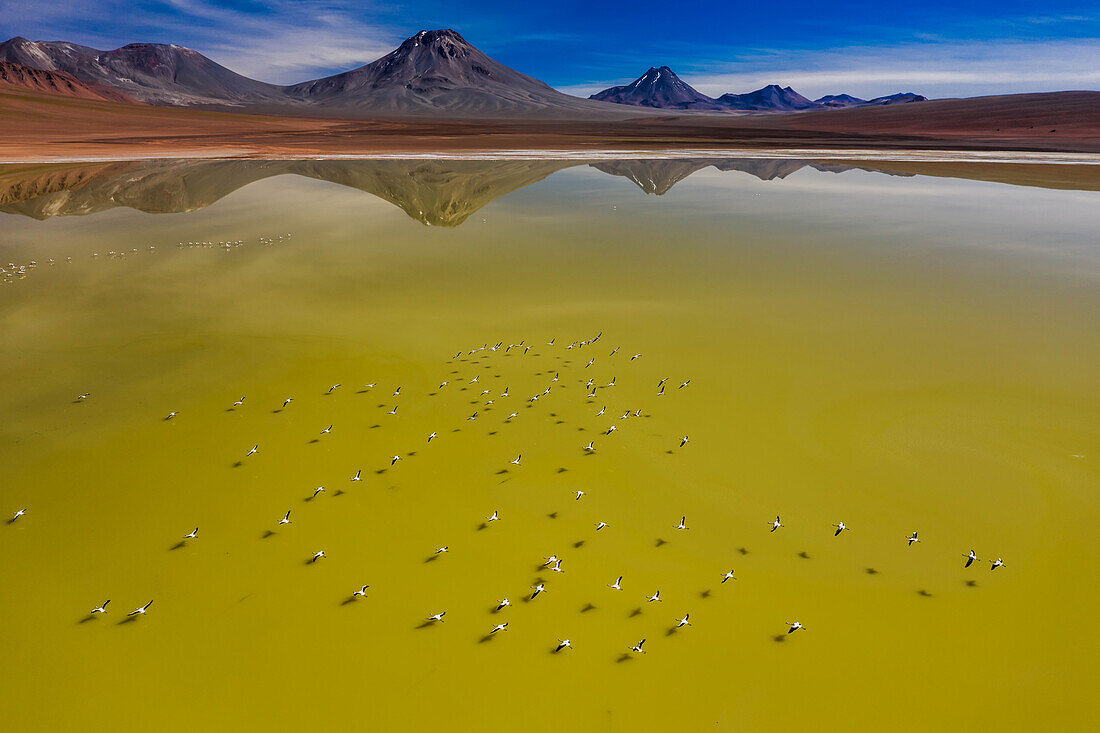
(897, 352)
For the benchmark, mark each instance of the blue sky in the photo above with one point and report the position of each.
(935, 47)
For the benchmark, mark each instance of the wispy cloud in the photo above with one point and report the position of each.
(279, 41)
(932, 68)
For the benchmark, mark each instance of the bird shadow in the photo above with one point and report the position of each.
(624, 657)
(636, 612)
(704, 593)
(870, 571)
(587, 607)
(779, 638)
(381, 471)
(660, 542)
(924, 593)
(551, 515)
(9, 521)
(178, 546)
(238, 464)
(431, 558)
(338, 492)
(127, 620)
(804, 555)
(277, 411)
(314, 440)
(86, 619)
(563, 469)
(970, 583)
(502, 471)
(482, 526)
(426, 625)
(268, 533)
(578, 544)
(348, 601)
(743, 550)
(671, 631)
(372, 427)
(486, 639)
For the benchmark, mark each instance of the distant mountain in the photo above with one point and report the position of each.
(838, 101)
(25, 78)
(902, 98)
(661, 88)
(772, 98)
(151, 72)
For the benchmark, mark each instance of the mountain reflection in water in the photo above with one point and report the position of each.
(434, 192)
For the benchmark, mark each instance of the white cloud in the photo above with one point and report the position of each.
(290, 41)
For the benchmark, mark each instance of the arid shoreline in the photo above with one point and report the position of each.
(41, 128)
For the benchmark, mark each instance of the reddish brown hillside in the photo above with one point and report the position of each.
(17, 76)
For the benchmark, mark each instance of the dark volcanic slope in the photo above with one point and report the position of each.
(438, 71)
(17, 76)
(772, 98)
(151, 72)
(661, 88)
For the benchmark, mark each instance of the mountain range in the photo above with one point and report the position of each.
(431, 73)
(661, 88)
(433, 192)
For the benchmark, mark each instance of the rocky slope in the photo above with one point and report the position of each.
(24, 78)
(151, 72)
